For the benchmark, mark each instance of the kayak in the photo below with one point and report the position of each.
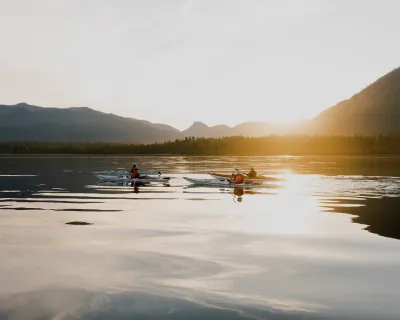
(127, 183)
(120, 177)
(119, 172)
(136, 181)
(113, 177)
(219, 183)
(120, 183)
(228, 176)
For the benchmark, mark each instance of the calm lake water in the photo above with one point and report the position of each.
(321, 244)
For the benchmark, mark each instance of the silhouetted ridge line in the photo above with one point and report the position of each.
(373, 111)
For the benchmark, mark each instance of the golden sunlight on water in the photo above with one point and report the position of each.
(287, 250)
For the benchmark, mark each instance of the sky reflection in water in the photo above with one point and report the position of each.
(289, 251)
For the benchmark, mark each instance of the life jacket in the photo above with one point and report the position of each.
(135, 174)
(239, 178)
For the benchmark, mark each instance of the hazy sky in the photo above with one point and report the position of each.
(176, 61)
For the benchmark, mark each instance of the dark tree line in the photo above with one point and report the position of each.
(272, 145)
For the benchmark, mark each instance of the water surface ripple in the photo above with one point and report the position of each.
(322, 243)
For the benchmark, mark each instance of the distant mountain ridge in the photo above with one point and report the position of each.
(373, 111)
(199, 129)
(249, 129)
(24, 122)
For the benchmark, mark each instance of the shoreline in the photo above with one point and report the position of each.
(228, 147)
(124, 155)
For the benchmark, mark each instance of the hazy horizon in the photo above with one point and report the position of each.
(218, 62)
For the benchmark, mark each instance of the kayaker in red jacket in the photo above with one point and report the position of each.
(133, 168)
(135, 174)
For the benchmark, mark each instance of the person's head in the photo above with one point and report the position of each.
(136, 169)
(251, 169)
(134, 165)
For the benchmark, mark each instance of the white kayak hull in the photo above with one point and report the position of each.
(256, 179)
(155, 180)
(117, 177)
(123, 172)
(129, 184)
(113, 177)
(219, 183)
